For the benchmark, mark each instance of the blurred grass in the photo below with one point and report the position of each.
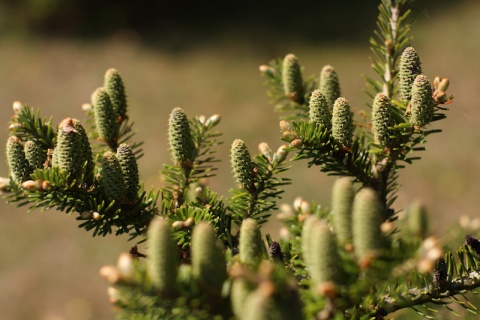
(49, 268)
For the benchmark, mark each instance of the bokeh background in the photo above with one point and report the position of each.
(203, 56)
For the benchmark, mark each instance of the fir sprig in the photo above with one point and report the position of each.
(259, 185)
(387, 45)
(290, 109)
(27, 124)
(203, 141)
(458, 274)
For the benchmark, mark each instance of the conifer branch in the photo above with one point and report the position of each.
(258, 184)
(349, 261)
(390, 39)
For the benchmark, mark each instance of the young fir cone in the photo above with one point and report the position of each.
(262, 305)
(242, 164)
(35, 153)
(208, 259)
(240, 291)
(324, 263)
(381, 120)
(292, 78)
(85, 150)
(417, 219)
(342, 122)
(112, 184)
(329, 85)
(113, 85)
(180, 139)
(307, 234)
(421, 104)
(129, 166)
(251, 244)
(275, 251)
(273, 300)
(162, 256)
(319, 111)
(409, 69)
(72, 149)
(105, 117)
(17, 162)
(367, 218)
(342, 202)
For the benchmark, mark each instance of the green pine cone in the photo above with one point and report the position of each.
(105, 117)
(409, 69)
(381, 120)
(242, 164)
(240, 291)
(417, 219)
(180, 139)
(307, 234)
(342, 122)
(261, 305)
(72, 148)
(367, 218)
(162, 256)
(129, 166)
(85, 150)
(208, 259)
(292, 78)
(324, 263)
(112, 178)
(329, 85)
(319, 111)
(342, 202)
(116, 91)
(17, 161)
(252, 247)
(35, 153)
(421, 104)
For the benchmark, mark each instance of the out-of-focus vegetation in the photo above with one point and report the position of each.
(187, 23)
(53, 55)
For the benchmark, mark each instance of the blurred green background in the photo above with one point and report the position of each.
(203, 56)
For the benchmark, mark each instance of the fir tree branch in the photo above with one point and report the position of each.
(28, 125)
(199, 160)
(391, 38)
(258, 183)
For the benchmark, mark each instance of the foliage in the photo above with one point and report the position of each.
(206, 258)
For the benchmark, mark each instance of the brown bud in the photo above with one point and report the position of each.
(281, 154)
(14, 126)
(285, 125)
(265, 150)
(177, 225)
(4, 183)
(17, 106)
(87, 107)
(189, 222)
(125, 266)
(45, 185)
(297, 143)
(289, 135)
(213, 120)
(443, 85)
(110, 273)
(436, 82)
(36, 185)
(266, 70)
